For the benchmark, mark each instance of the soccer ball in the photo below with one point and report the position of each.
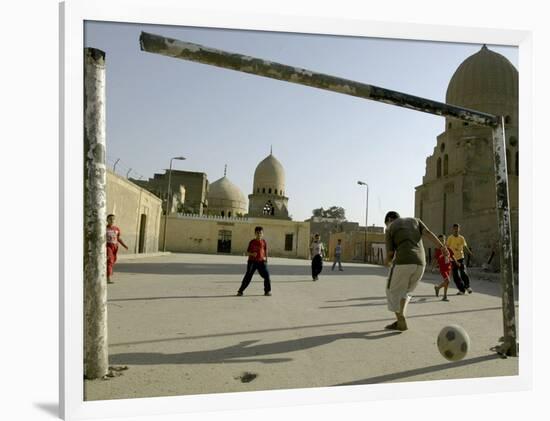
(453, 342)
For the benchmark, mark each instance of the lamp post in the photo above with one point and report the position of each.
(362, 183)
(168, 199)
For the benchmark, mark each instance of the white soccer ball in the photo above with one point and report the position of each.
(453, 342)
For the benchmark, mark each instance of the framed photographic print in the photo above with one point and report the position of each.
(263, 211)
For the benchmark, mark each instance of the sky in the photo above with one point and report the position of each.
(160, 107)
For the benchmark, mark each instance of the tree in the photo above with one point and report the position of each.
(318, 212)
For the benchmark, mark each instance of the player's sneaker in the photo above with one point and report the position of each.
(460, 293)
(469, 290)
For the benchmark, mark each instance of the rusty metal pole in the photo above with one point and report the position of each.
(95, 255)
(509, 347)
(194, 52)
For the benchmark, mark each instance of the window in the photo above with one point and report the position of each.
(442, 147)
(446, 164)
(269, 191)
(258, 190)
(507, 119)
(517, 163)
(450, 125)
(268, 208)
(263, 190)
(229, 214)
(223, 213)
(288, 242)
(439, 167)
(275, 191)
(508, 161)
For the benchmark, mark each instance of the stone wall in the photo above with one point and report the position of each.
(201, 234)
(132, 207)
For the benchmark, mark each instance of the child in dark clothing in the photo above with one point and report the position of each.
(257, 259)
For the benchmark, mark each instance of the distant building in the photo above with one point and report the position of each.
(353, 244)
(224, 229)
(189, 190)
(226, 199)
(268, 198)
(459, 184)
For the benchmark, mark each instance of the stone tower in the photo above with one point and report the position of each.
(459, 183)
(268, 198)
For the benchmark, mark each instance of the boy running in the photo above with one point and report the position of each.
(257, 259)
(113, 238)
(445, 267)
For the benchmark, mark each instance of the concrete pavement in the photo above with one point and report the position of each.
(175, 321)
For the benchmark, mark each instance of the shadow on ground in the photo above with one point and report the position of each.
(423, 370)
(281, 329)
(178, 268)
(244, 351)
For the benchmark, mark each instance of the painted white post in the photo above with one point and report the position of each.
(96, 362)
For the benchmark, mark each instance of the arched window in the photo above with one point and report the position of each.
(223, 213)
(450, 125)
(263, 190)
(439, 167)
(446, 164)
(229, 214)
(275, 191)
(507, 119)
(442, 147)
(268, 208)
(269, 191)
(258, 190)
(517, 163)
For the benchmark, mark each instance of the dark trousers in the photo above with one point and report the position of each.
(460, 276)
(316, 265)
(262, 270)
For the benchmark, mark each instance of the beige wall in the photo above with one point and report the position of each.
(353, 244)
(128, 203)
(199, 234)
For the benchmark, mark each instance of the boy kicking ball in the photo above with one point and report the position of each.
(445, 268)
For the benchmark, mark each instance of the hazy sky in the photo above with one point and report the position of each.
(160, 107)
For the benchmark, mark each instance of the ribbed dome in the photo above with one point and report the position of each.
(269, 174)
(485, 81)
(226, 190)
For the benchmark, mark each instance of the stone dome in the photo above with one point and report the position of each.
(485, 81)
(225, 199)
(225, 190)
(269, 174)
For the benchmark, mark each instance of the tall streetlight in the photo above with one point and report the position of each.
(168, 199)
(362, 183)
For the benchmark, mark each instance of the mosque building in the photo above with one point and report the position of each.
(225, 199)
(268, 198)
(228, 223)
(459, 183)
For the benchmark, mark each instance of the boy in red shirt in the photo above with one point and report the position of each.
(445, 267)
(113, 238)
(257, 259)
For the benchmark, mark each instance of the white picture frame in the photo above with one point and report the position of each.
(73, 15)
